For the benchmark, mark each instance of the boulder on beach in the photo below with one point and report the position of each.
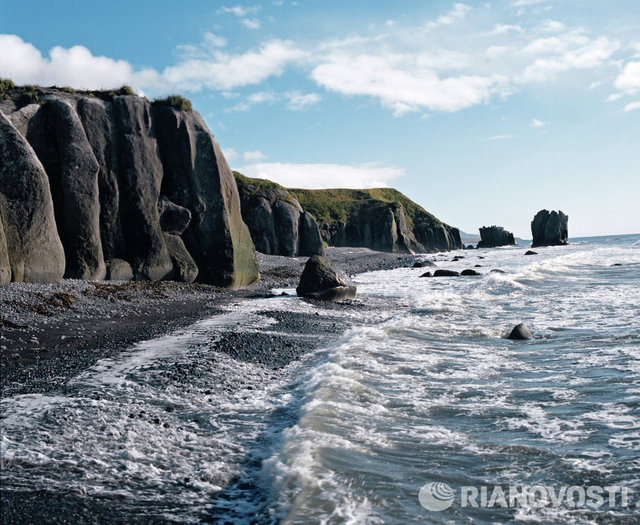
(322, 280)
(550, 229)
(530, 252)
(427, 274)
(446, 273)
(423, 264)
(119, 270)
(520, 332)
(494, 236)
(469, 272)
(497, 270)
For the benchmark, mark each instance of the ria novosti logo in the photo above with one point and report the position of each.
(438, 496)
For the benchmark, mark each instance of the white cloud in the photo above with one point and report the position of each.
(253, 156)
(75, 66)
(499, 137)
(566, 54)
(535, 123)
(458, 12)
(502, 29)
(239, 10)
(629, 78)
(317, 176)
(227, 71)
(523, 3)
(230, 154)
(631, 106)
(298, 101)
(553, 26)
(251, 23)
(402, 84)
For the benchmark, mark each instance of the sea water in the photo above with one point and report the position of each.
(425, 396)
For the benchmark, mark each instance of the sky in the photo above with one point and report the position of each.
(481, 112)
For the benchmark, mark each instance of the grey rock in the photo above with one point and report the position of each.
(185, 269)
(174, 219)
(33, 245)
(119, 270)
(322, 280)
(496, 270)
(310, 238)
(76, 182)
(494, 236)
(445, 273)
(423, 264)
(520, 332)
(197, 177)
(141, 173)
(287, 220)
(5, 266)
(550, 229)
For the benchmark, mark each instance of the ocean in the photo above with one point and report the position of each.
(422, 412)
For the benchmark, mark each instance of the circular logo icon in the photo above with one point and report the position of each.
(436, 496)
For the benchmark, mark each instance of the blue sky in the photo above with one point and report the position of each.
(482, 112)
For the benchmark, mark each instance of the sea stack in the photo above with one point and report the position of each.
(550, 229)
(494, 236)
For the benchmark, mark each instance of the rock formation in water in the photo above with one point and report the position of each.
(277, 222)
(550, 229)
(124, 187)
(322, 280)
(381, 219)
(494, 236)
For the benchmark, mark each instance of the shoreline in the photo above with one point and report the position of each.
(51, 332)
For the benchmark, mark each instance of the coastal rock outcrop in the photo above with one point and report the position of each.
(382, 219)
(494, 236)
(322, 280)
(114, 180)
(550, 229)
(33, 247)
(277, 222)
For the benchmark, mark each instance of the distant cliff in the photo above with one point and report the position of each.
(107, 184)
(277, 222)
(381, 219)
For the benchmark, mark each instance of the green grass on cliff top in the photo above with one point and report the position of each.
(340, 204)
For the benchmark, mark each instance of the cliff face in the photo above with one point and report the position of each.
(550, 228)
(494, 236)
(115, 186)
(277, 222)
(381, 219)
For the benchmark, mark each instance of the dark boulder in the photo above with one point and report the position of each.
(530, 252)
(119, 270)
(5, 266)
(33, 245)
(174, 219)
(520, 332)
(550, 229)
(446, 273)
(287, 224)
(322, 280)
(185, 269)
(423, 264)
(427, 274)
(469, 272)
(494, 236)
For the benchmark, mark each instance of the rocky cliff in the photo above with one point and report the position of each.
(107, 184)
(494, 236)
(277, 222)
(550, 228)
(381, 219)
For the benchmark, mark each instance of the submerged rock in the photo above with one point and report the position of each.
(550, 229)
(423, 264)
(446, 273)
(322, 280)
(496, 270)
(530, 252)
(427, 274)
(520, 332)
